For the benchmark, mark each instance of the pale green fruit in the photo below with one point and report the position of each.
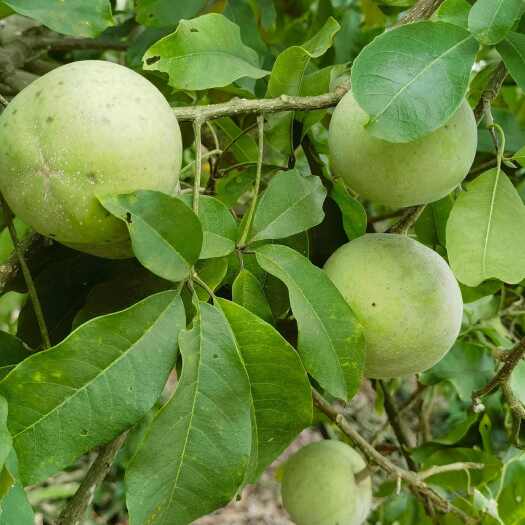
(85, 129)
(319, 487)
(399, 175)
(406, 298)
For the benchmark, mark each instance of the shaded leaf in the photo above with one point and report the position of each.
(12, 352)
(512, 50)
(243, 145)
(162, 13)
(74, 17)
(291, 204)
(165, 233)
(212, 272)
(331, 341)
(196, 452)
(249, 293)
(486, 231)
(203, 53)
(412, 79)
(95, 384)
(453, 12)
(491, 20)
(352, 211)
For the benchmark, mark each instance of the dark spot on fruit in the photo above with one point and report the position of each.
(50, 119)
(128, 217)
(373, 304)
(92, 176)
(15, 111)
(152, 60)
(38, 93)
(194, 30)
(60, 82)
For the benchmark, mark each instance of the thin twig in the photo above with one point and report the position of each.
(411, 478)
(423, 9)
(72, 44)
(37, 307)
(408, 219)
(197, 128)
(452, 467)
(76, 508)
(491, 91)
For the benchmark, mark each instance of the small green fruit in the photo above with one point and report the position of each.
(406, 174)
(85, 129)
(319, 487)
(405, 296)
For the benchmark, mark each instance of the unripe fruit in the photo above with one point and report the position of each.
(405, 296)
(85, 129)
(400, 174)
(319, 487)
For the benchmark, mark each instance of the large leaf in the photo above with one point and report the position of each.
(74, 17)
(491, 20)
(331, 340)
(248, 292)
(219, 227)
(165, 233)
(412, 79)
(91, 387)
(203, 53)
(486, 231)
(281, 393)
(512, 50)
(163, 13)
(291, 204)
(288, 77)
(196, 452)
(12, 352)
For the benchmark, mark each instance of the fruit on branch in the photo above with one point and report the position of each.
(406, 297)
(85, 129)
(319, 486)
(401, 174)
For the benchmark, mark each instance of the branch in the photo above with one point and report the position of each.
(411, 478)
(76, 508)
(409, 218)
(422, 10)
(490, 92)
(452, 467)
(71, 44)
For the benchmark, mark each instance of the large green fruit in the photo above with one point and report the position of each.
(319, 487)
(406, 298)
(85, 129)
(405, 174)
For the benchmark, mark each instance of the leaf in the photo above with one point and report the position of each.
(203, 53)
(352, 211)
(512, 50)
(6, 442)
(453, 12)
(291, 204)
(212, 272)
(88, 389)
(412, 79)
(331, 341)
(288, 76)
(162, 13)
(491, 20)
(165, 233)
(486, 231)
(249, 293)
(196, 452)
(219, 227)
(243, 146)
(74, 17)
(280, 389)
(13, 351)
(431, 225)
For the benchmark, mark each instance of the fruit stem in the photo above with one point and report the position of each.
(197, 128)
(37, 307)
(253, 206)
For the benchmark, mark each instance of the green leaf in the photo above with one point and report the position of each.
(203, 53)
(288, 77)
(486, 231)
(412, 79)
(248, 292)
(512, 50)
(331, 341)
(292, 203)
(219, 227)
(243, 145)
(13, 351)
(431, 225)
(162, 13)
(195, 454)
(491, 20)
(16, 508)
(512, 491)
(165, 233)
(352, 211)
(74, 17)
(88, 389)
(281, 392)
(212, 272)
(453, 12)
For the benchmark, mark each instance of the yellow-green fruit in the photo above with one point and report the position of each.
(319, 487)
(85, 129)
(406, 174)
(405, 296)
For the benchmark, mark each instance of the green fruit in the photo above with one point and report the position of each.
(406, 298)
(85, 129)
(399, 175)
(319, 487)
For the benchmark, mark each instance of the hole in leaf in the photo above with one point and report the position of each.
(152, 60)
(128, 217)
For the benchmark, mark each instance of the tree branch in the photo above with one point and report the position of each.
(411, 478)
(490, 92)
(408, 219)
(71, 44)
(423, 9)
